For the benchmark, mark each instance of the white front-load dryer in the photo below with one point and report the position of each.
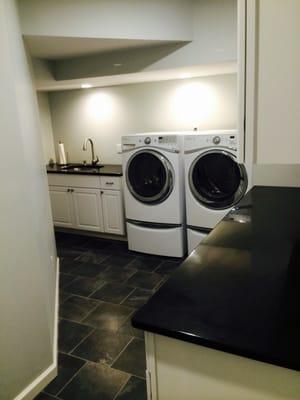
(154, 193)
(215, 180)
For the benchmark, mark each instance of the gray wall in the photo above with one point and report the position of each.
(214, 39)
(27, 252)
(105, 114)
(128, 19)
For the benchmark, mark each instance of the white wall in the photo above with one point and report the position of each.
(278, 113)
(46, 127)
(127, 19)
(27, 252)
(105, 114)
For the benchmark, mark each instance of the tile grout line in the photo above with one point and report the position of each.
(121, 352)
(126, 297)
(85, 337)
(70, 380)
(121, 388)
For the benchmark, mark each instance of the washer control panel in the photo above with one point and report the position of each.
(163, 141)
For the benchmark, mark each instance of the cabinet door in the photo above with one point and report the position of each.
(88, 209)
(113, 212)
(62, 206)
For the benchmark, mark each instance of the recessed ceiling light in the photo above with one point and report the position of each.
(185, 75)
(117, 65)
(85, 85)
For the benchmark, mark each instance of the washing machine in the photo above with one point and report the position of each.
(215, 178)
(154, 193)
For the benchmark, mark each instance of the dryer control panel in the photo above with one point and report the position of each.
(201, 140)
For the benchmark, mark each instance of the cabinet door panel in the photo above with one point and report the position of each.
(113, 212)
(88, 209)
(62, 207)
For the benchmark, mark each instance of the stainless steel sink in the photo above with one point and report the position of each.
(83, 167)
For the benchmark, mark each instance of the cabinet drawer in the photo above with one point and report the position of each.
(69, 180)
(110, 182)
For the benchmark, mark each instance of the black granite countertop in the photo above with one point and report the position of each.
(106, 169)
(239, 291)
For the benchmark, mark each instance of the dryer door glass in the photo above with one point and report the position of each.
(217, 180)
(149, 176)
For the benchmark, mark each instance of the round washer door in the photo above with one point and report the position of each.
(149, 176)
(217, 180)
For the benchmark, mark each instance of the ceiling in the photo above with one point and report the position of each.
(56, 47)
(139, 77)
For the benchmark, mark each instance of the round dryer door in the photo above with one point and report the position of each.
(217, 180)
(149, 176)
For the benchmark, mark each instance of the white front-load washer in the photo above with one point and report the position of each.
(215, 180)
(154, 193)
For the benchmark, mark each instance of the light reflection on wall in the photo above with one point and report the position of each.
(194, 103)
(99, 106)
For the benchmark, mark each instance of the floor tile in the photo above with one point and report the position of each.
(112, 293)
(135, 389)
(133, 359)
(44, 396)
(146, 263)
(118, 260)
(137, 298)
(94, 382)
(67, 367)
(127, 329)
(69, 251)
(116, 274)
(89, 269)
(84, 286)
(65, 279)
(108, 316)
(94, 243)
(67, 265)
(76, 308)
(63, 296)
(102, 346)
(64, 238)
(167, 267)
(70, 334)
(93, 257)
(144, 280)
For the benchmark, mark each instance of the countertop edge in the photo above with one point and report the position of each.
(212, 345)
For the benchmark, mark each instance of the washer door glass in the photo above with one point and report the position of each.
(217, 180)
(149, 176)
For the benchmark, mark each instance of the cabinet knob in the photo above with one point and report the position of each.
(101, 192)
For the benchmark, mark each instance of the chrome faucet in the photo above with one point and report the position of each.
(95, 160)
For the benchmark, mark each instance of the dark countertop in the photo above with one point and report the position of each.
(108, 170)
(239, 291)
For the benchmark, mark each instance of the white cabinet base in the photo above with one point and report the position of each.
(179, 370)
(88, 210)
(62, 206)
(83, 203)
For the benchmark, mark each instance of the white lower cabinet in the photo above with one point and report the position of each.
(87, 208)
(113, 211)
(62, 206)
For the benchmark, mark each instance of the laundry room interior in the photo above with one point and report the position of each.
(159, 168)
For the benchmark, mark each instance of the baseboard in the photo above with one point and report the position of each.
(50, 373)
(122, 238)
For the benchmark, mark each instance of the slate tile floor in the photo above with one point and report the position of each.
(102, 283)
